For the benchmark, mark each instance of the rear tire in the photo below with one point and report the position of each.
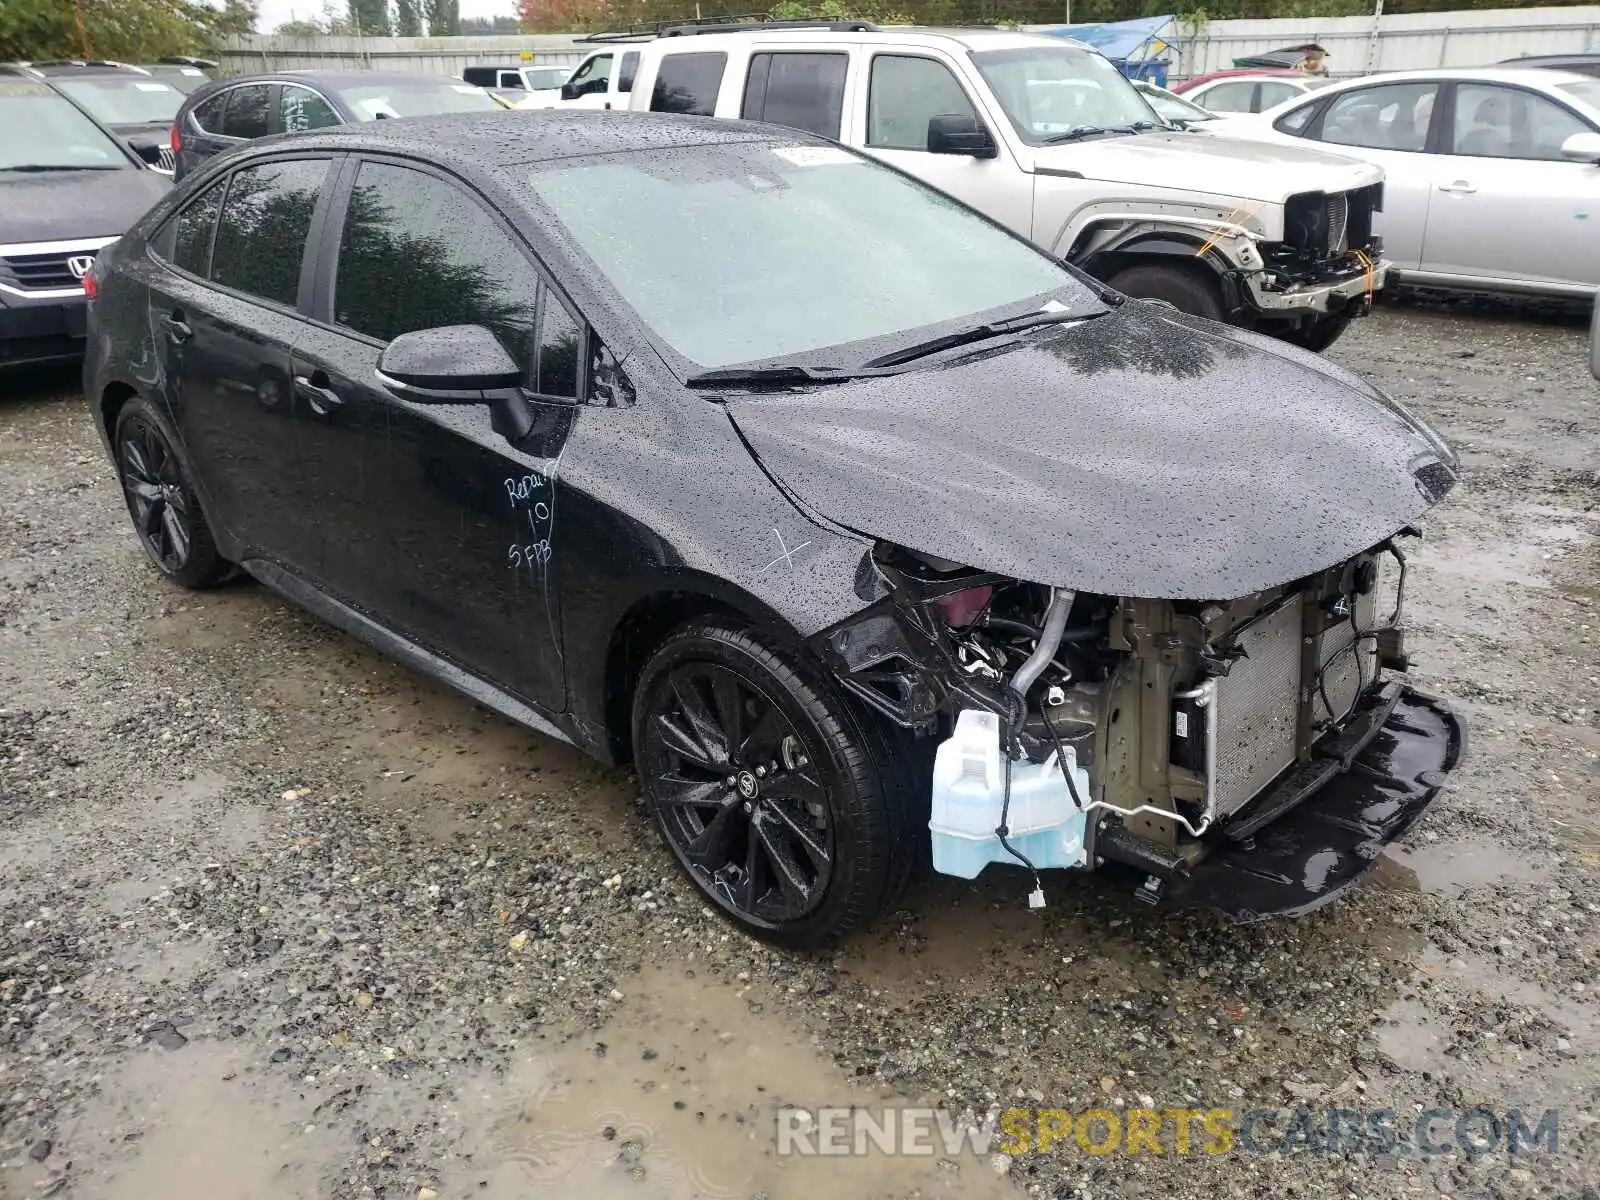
(1187, 288)
(162, 502)
(1317, 335)
(800, 855)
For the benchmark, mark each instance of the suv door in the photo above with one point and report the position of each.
(1506, 205)
(590, 85)
(905, 89)
(436, 522)
(227, 311)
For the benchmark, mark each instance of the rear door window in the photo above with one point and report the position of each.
(1392, 116)
(1238, 96)
(246, 115)
(209, 115)
(688, 83)
(266, 218)
(802, 91)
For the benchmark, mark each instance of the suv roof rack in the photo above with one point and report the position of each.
(650, 30)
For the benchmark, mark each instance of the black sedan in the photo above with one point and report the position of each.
(244, 107)
(726, 451)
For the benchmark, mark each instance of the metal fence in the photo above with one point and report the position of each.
(441, 56)
(1356, 45)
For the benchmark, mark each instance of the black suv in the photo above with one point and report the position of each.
(128, 100)
(67, 188)
(242, 108)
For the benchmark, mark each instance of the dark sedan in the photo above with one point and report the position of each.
(241, 108)
(724, 450)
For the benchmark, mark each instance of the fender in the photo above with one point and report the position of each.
(1150, 243)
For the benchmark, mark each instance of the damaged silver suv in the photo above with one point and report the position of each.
(860, 525)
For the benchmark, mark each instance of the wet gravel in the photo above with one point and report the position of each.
(278, 918)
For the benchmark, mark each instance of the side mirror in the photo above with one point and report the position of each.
(458, 364)
(1594, 341)
(570, 90)
(1582, 147)
(952, 134)
(150, 153)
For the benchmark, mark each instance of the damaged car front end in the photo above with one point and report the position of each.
(1247, 756)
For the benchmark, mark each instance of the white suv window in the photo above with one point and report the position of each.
(593, 76)
(905, 93)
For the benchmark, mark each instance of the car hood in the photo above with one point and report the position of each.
(1141, 453)
(60, 205)
(1219, 163)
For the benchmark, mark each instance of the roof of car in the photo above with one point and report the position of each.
(65, 69)
(500, 138)
(972, 39)
(1537, 77)
(341, 79)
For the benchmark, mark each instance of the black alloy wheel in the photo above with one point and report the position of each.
(765, 789)
(166, 513)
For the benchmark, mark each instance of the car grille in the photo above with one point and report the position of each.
(40, 272)
(1257, 707)
(169, 160)
(1338, 223)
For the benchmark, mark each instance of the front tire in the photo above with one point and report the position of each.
(162, 501)
(1187, 288)
(1317, 335)
(785, 809)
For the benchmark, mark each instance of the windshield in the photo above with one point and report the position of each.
(754, 252)
(1586, 91)
(124, 99)
(1175, 108)
(1049, 90)
(423, 98)
(41, 131)
(548, 77)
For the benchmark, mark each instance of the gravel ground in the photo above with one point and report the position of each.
(278, 918)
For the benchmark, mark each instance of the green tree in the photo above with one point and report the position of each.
(408, 18)
(121, 29)
(370, 17)
(444, 18)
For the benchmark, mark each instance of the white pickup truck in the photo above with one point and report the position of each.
(1047, 137)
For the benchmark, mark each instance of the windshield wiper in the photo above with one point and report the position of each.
(975, 333)
(1079, 132)
(34, 168)
(787, 375)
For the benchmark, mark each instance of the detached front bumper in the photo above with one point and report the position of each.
(1347, 294)
(1329, 832)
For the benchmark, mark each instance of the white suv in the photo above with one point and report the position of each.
(1045, 136)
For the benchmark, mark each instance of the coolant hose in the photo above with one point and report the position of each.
(1055, 624)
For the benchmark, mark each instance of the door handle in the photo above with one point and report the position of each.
(314, 390)
(1460, 187)
(176, 330)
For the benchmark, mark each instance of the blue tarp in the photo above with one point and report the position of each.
(1139, 47)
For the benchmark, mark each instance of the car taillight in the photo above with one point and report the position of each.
(177, 141)
(91, 289)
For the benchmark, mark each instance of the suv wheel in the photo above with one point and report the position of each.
(1184, 287)
(162, 502)
(779, 803)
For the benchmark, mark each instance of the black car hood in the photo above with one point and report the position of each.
(55, 206)
(1141, 454)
